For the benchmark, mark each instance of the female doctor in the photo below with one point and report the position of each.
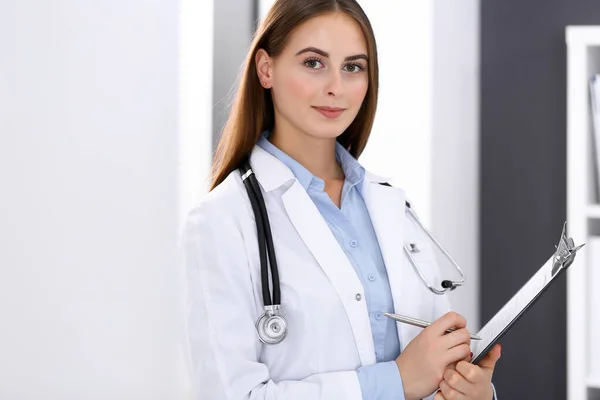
(302, 116)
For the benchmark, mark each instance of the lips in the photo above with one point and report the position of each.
(330, 112)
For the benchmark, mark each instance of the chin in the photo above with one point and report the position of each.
(329, 130)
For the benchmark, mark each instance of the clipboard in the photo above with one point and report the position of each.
(529, 293)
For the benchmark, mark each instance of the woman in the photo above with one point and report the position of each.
(302, 115)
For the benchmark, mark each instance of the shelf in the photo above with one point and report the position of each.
(593, 382)
(593, 211)
(583, 58)
(588, 35)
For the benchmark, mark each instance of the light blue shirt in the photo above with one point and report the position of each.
(352, 227)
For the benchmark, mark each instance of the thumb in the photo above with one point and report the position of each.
(489, 361)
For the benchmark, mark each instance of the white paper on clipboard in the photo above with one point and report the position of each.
(500, 323)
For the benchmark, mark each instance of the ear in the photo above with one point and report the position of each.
(264, 68)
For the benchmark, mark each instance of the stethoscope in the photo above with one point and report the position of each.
(271, 326)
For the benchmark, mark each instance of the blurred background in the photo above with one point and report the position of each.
(109, 114)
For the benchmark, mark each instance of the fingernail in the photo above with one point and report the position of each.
(500, 347)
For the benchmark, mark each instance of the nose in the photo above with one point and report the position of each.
(335, 84)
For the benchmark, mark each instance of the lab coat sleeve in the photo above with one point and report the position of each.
(224, 347)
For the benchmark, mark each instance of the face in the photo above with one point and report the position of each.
(320, 79)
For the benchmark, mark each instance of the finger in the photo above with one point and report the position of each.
(456, 354)
(456, 381)
(455, 338)
(489, 361)
(447, 321)
(439, 396)
(471, 372)
(467, 359)
(451, 393)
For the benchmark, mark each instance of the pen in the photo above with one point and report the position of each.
(420, 323)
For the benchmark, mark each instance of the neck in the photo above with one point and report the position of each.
(315, 154)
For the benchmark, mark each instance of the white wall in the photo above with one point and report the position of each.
(455, 151)
(399, 146)
(90, 203)
(195, 105)
(263, 7)
(195, 131)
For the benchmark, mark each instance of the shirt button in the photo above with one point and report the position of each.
(378, 316)
(371, 277)
(358, 296)
(353, 243)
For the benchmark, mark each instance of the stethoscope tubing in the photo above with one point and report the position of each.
(447, 285)
(265, 238)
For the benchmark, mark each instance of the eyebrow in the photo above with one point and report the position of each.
(326, 54)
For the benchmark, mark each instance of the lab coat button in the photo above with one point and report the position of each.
(358, 296)
(371, 277)
(353, 243)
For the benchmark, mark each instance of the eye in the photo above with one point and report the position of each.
(313, 62)
(354, 67)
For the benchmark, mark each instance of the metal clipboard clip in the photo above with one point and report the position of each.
(565, 252)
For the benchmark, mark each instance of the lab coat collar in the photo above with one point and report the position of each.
(374, 178)
(272, 173)
(353, 171)
(304, 176)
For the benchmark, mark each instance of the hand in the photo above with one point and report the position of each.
(428, 355)
(469, 381)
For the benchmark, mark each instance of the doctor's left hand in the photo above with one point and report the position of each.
(469, 381)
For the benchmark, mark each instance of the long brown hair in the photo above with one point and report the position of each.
(252, 110)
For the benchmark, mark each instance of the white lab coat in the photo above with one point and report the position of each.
(322, 298)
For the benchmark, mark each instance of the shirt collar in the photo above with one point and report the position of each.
(353, 171)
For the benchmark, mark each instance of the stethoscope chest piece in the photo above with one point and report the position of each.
(271, 326)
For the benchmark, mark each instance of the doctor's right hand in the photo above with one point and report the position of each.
(423, 362)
